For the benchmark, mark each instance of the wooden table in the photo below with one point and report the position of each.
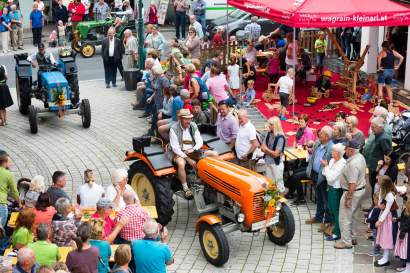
(295, 153)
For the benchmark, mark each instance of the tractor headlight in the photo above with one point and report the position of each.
(240, 217)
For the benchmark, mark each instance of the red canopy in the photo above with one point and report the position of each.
(328, 13)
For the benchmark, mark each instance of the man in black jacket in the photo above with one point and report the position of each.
(112, 50)
(60, 12)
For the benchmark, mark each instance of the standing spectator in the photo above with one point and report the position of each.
(97, 228)
(286, 90)
(149, 254)
(246, 142)
(273, 67)
(131, 49)
(5, 97)
(353, 183)
(377, 146)
(7, 186)
(346, 36)
(87, 6)
(198, 27)
(153, 14)
(101, 10)
(233, 75)
(23, 233)
(356, 41)
(64, 228)
(60, 12)
(46, 253)
(61, 33)
(200, 13)
(226, 125)
(85, 259)
(250, 53)
(353, 132)
(181, 7)
(111, 53)
(36, 24)
(44, 212)
(117, 5)
(273, 146)
(291, 51)
(322, 152)
(115, 191)
(388, 166)
(160, 83)
(321, 49)
(122, 258)
(254, 28)
(304, 134)
(193, 44)
(90, 192)
(332, 171)
(26, 261)
(402, 243)
(155, 40)
(5, 30)
(56, 191)
(219, 37)
(16, 28)
(218, 86)
(137, 216)
(339, 132)
(77, 11)
(305, 64)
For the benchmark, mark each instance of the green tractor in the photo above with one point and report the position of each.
(90, 34)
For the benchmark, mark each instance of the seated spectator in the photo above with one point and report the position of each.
(44, 212)
(248, 72)
(56, 191)
(86, 257)
(26, 261)
(127, 15)
(339, 132)
(137, 216)
(116, 190)
(304, 134)
(246, 142)
(149, 254)
(323, 84)
(144, 90)
(226, 125)
(46, 253)
(89, 192)
(96, 240)
(122, 258)
(249, 94)
(104, 209)
(353, 133)
(166, 111)
(273, 67)
(37, 186)
(60, 267)
(219, 37)
(340, 117)
(64, 228)
(199, 115)
(45, 269)
(23, 233)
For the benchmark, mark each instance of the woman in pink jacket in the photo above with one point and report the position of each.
(304, 134)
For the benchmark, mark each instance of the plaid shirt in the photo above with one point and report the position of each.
(254, 29)
(64, 231)
(137, 216)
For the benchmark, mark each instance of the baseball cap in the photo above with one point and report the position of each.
(352, 144)
(105, 203)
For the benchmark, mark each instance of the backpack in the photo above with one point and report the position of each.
(203, 89)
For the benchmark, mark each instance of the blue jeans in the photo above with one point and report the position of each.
(320, 59)
(202, 20)
(180, 23)
(4, 213)
(347, 47)
(385, 76)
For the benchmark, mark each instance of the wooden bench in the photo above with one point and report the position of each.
(308, 183)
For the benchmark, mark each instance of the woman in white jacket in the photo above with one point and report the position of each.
(332, 171)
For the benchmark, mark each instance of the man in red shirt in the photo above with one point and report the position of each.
(136, 215)
(77, 11)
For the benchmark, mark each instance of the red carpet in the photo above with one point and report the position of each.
(316, 119)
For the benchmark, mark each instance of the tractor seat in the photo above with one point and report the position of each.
(207, 138)
(153, 149)
(219, 146)
(160, 161)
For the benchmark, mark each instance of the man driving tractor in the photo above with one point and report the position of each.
(185, 142)
(42, 59)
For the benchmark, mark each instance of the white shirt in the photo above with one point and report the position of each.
(89, 196)
(333, 171)
(186, 136)
(233, 71)
(390, 198)
(86, 4)
(111, 47)
(111, 192)
(246, 134)
(40, 6)
(285, 84)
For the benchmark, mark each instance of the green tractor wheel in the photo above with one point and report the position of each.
(87, 50)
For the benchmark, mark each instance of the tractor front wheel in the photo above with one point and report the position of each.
(23, 94)
(32, 119)
(85, 113)
(214, 244)
(87, 50)
(283, 231)
(152, 190)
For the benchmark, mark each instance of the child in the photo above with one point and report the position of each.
(306, 64)
(323, 84)
(273, 66)
(250, 94)
(61, 33)
(285, 86)
(321, 48)
(402, 245)
(371, 221)
(385, 224)
(52, 40)
(233, 75)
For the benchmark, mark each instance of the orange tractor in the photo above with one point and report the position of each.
(228, 197)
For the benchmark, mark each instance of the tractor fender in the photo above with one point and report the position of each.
(210, 219)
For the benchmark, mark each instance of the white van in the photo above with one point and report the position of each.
(214, 8)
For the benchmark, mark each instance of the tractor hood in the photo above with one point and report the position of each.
(53, 79)
(85, 27)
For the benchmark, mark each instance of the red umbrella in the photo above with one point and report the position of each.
(326, 13)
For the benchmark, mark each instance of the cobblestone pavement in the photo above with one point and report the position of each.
(65, 145)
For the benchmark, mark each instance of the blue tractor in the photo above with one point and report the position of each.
(57, 87)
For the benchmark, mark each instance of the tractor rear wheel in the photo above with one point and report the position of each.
(23, 94)
(152, 190)
(87, 50)
(85, 113)
(32, 119)
(283, 231)
(214, 244)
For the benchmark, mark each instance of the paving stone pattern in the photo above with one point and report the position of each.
(65, 145)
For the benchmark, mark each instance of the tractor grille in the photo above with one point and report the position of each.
(258, 207)
(222, 184)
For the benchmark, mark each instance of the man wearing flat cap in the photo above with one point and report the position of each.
(185, 142)
(353, 183)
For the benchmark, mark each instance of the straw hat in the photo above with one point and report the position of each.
(185, 113)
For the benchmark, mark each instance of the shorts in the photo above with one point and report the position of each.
(284, 99)
(385, 76)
